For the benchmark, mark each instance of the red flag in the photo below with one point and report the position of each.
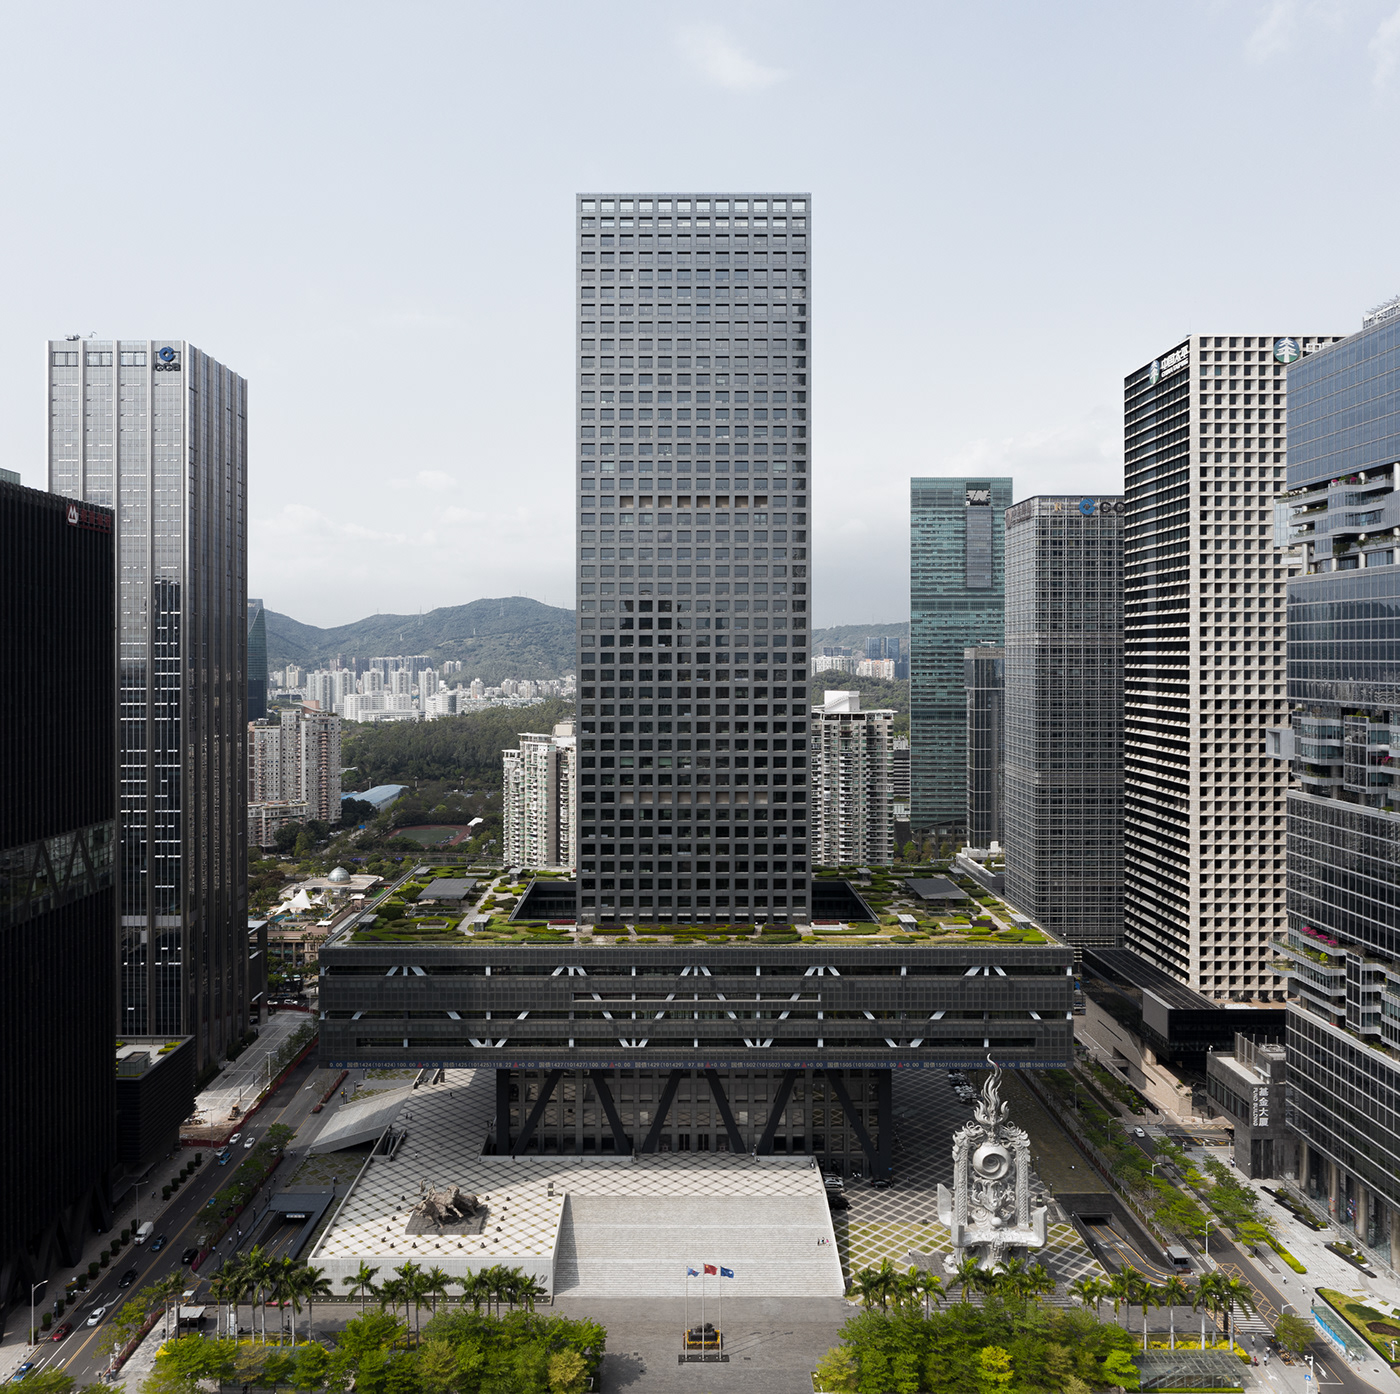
(710, 1268)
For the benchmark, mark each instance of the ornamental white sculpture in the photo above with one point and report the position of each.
(988, 1212)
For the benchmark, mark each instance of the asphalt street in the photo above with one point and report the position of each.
(78, 1354)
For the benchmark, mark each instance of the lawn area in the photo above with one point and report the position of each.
(431, 836)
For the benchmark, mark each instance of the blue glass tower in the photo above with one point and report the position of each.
(956, 593)
(1342, 942)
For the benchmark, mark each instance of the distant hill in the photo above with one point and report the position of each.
(854, 635)
(511, 637)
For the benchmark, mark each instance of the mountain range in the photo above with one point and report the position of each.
(508, 637)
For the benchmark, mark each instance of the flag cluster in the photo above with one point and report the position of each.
(710, 1268)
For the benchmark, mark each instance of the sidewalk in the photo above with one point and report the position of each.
(238, 1083)
(137, 1208)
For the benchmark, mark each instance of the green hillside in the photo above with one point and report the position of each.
(511, 637)
(853, 636)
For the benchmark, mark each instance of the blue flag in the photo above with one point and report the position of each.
(726, 1272)
(692, 1272)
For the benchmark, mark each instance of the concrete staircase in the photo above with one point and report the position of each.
(614, 1246)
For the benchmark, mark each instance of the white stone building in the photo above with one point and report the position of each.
(537, 799)
(852, 782)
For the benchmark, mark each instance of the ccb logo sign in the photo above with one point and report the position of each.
(1089, 507)
(167, 361)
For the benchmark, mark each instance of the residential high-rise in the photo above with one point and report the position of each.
(1203, 612)
(538, 785)
(58, 896)
(293, 762)
(900, 775)
(1341, 511)
(852, 782)
(257, 660)
(693, 456)
(984, 680)
(955, 602)
(156, 430)
(1064, 715)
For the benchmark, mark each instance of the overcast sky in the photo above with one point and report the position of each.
(366, 210)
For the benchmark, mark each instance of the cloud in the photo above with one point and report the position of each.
(1385, 50)
(1274, 33)
(716, 57)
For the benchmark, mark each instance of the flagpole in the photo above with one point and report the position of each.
(703, 1276)
(721, 1307)
(685, 1338)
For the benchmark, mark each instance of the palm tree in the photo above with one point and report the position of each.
(414, 1291)
(968, 1275)
(532, 1291)
(436, 1285)
(258, 1272)
(1209, 1298)
(1088, 1289)
(473, 1290)
(1176, 1292)
(1040, 1281)
(315, 1287)
(866, 1285)
(1121, 1290)
(926, 1286)
(1149, 1296)
(390, 1293)
(362, 1282)
(1236, 1292)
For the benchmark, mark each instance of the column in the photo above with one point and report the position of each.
(1394, 1218)
(1363, 1211)
(1334, 1178)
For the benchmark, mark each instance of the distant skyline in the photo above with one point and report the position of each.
(367, 214)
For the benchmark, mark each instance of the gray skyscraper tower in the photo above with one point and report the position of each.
(1342, 937)
(1203, 586)
(693, 456)
(984, 678)
(955, 602)
(156, 430)
(257, 660)
(1064, 715)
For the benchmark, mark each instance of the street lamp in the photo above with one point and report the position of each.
(35, 1288)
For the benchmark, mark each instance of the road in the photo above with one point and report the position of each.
(78, 1354)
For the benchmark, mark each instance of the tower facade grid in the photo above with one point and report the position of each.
(156, 429)
(1063, 783)
(693, 402)
(956, 591)
(1204, 450)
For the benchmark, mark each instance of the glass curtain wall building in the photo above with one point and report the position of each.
(955, 602)
(693, 497)
(1064, 715)
(1203, 582)
(984, 676)
(156, 430)
(257, 660)
(58, 888)
(1342, 938)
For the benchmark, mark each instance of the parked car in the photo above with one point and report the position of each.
(837, 1201)
(127, 1278)
(189, 1256)
(60, 1332)
(96, 1315)
(158, 1243)
(881, 1183)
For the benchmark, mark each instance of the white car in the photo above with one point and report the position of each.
(249, 1140)
(234, 1139)
(96, 1315)
(1139, 1132)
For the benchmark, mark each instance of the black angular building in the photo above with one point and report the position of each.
(58, 906)
(745, 1047)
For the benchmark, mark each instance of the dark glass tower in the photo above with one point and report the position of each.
(693, 459)
(1064, 715)
(955, 602)
(58, 897)
(984, 676)
(1342, 940)
(257, 660)
(156, 429)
